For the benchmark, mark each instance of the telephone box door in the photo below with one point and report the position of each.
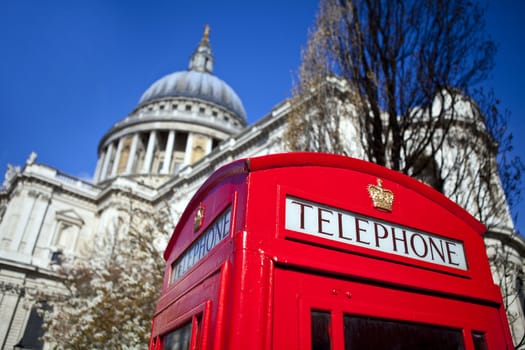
(321, 312)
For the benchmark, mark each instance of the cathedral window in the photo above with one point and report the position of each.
(177, 164)
(140, 153)
(34, 330)
(214, 113)
(67, 230)
(198, 153)
(57, 257)
(426, 170)
(201, 110)
(158, 162)
(181, 139)
(174, 106)
(179, 151)
(65, 236)
(200, 143)
(188, 108)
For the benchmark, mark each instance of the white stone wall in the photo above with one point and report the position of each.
(505, 252)
(20, 287)
(45, 211)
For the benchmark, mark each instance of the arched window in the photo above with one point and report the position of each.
(426, 170)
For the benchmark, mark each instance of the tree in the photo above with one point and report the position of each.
(398, 83)
(397, 58)
(112, 296)
(315, 120)
(506, 259)
(408, 74)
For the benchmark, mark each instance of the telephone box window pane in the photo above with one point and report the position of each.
(369, 333)
(479, 341)
(208, 240)
(321, 331)
(179, 339)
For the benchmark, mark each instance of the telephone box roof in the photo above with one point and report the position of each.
(328, 161)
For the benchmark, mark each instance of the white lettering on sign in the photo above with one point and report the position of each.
(345, 227)
(206, 242)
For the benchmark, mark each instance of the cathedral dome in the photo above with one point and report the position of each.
(195, 84)
(179, 119)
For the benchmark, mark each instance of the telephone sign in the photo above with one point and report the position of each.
(349, 228)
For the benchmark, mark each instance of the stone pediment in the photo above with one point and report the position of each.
(70, 216)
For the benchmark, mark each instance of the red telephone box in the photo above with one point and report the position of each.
(317, 251)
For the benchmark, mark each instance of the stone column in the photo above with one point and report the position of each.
(39, 214)
(189, 146)
(149, 152)
(99, 168)
(168, 154)
(132, 154)
(117, 157)
(109, 154)
(209, 145)
(23, 219)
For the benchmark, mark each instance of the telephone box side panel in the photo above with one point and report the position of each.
(209, 220)
(199, 258)
(202, 240)
(231, 175)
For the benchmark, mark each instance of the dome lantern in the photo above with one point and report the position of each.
(202, 58)
(197, 83)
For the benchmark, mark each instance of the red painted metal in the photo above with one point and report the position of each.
(255, 284)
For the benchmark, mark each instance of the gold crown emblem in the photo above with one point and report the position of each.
(199, 218)
(381, 198)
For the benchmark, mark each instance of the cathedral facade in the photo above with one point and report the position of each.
(185, 126)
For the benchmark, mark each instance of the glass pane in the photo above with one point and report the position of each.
(479, 341)
(368, 333)
(321, 331)
(179, 339)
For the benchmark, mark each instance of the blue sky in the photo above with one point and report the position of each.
(70, 69)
